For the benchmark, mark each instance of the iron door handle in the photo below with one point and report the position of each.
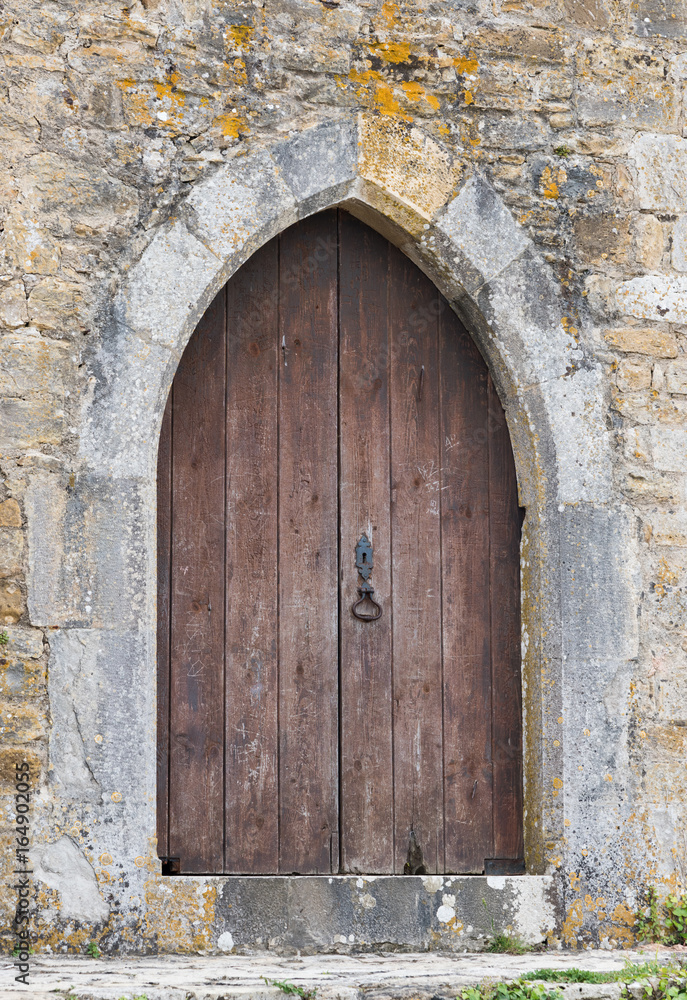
(364, 564)
(366, 592)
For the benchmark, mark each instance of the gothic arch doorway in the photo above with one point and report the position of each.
(331, 414)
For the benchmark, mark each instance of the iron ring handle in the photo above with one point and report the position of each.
(366, 592)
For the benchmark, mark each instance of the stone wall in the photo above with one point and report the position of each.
(529, 155)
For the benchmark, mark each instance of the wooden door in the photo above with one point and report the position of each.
(330, 393)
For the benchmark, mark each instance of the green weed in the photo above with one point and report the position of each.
(291, 989)
(562, 151)
(517, 990)
(507, 944)
(662, 922)
(571, 976)
(4, 638)
(93, 950)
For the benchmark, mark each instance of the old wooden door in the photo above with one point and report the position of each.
(330, 393)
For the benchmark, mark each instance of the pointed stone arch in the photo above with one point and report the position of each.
(93, 562)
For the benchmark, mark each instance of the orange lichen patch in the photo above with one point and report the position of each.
(573, 921)
(392, 52)
(549, 181)
(240, 34)
(557, 785)
(405, 164)
(379, 93)
(465, 65)
(574, 881)
(181, 916)
(467, 97)
(416, 92)
(597, 906)
(389, 12)
(231, 124)
(623, 915)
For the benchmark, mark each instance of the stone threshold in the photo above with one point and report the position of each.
(397, 976)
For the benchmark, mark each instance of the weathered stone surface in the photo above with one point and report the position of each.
(173, 268)
(242, 203)
(654, 296)
(602, 238)
(660, 164)
(669, 447)
(63, 306)
(10, 514)
(624, 85)
(649, 240)
(320, 164)
(13, 308)
(643, 340)
(403, 161)
(473, 219)
(11, 552)
(676, 378)
(86, 550)
(12, 604)
(679, 240)
(63, 867)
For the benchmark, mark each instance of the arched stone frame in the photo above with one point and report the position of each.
(92, 545)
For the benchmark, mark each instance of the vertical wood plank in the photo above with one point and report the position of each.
(416, 573)
(252, 814)
(197, 605)
(504, 525)
(366, 705)
(465, 569)
(308, 550)
(164, 542)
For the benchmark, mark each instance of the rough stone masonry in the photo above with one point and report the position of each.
(529, 155)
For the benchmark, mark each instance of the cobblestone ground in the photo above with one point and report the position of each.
(397, 976)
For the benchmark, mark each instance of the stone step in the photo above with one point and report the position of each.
(387, 976)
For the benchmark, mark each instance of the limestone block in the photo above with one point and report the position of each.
(320, 162)
(22, 675)
(60, 305)
(654, 296)
(656, 17)
(84, 191)
(241, 205)
(31, 365)
(13, 309)
(649, 340)
(63, 867)
(415, 170)
(162, 290)
(10, 514)
(679, 251)
(592, 14)
(22, 722)
(11, 552)
(610, 95)
(676, 378)
(660, 163)
(648, 233)
(479, 224)
(11, 602)
(30, 248)
(27, 643)
(29, 423)
(633, 375)
(669, 530)
(600, 583)
(87, 550)
(601, 238)
(669, 447)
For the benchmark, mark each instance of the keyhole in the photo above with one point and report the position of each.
(364, 557)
